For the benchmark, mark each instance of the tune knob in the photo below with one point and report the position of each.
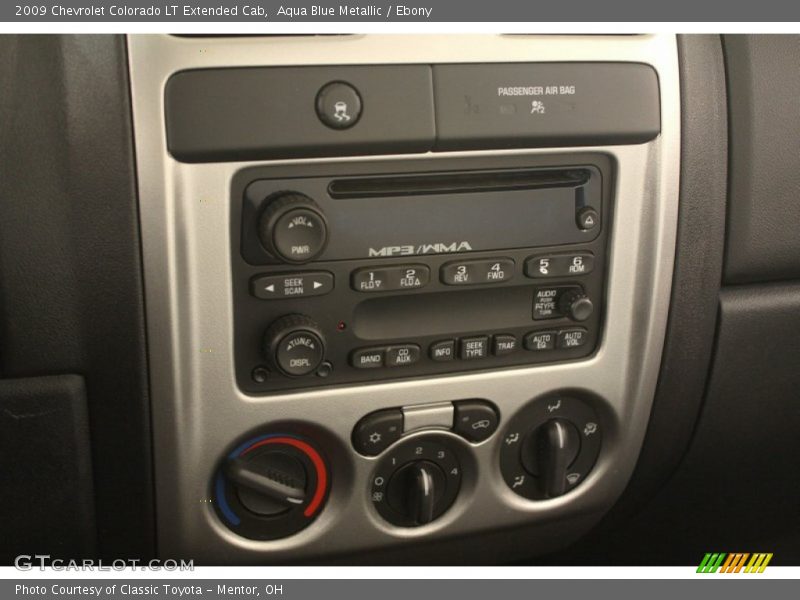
(577, 305)
(293, 228)
(294, 345)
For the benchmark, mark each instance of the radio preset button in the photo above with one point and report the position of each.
(292, 285)
(443, 351)
(472, 348)
(559, 265)
(367, 358)
(400, 356)
(393, 278)
(572, 338)
(503, 344)
(540, 340)
(475, 272)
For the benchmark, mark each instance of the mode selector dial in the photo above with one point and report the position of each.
(294, 345)
(293, 228)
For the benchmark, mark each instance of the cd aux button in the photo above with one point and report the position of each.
(475, 272)
(391, 279)
(400, 356)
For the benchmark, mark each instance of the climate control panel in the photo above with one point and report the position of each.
(378, 276)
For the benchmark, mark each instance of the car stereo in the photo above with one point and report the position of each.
(374, 271)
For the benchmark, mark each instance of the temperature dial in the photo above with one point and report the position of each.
(271, 486)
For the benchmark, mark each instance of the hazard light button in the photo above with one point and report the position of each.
(292, 285)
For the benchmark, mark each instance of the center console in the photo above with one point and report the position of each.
(401, 289)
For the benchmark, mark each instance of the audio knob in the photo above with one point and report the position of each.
(271, 486)
(577, 305)
(293, 228)
(294, 345)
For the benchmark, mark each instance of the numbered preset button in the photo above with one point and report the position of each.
(475, 272)
(390, 279)
(559, 265)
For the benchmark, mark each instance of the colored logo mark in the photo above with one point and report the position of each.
(736, 562)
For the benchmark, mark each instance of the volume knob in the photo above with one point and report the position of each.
(294, 345)
(293, 228)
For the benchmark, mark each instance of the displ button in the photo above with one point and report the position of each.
(292, 285)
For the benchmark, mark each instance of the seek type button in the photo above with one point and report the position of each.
(393, 278)
(475, 272)
(474, 347)
(292, 285)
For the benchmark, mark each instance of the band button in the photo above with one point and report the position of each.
(367, 358)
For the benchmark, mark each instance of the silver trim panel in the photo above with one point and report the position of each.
(427, 416)
(198, 410)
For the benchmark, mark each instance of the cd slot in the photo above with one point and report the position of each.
(461, 182)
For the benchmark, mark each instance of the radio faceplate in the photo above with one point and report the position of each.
(385, 298)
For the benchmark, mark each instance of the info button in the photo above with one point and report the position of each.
(292, 285)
